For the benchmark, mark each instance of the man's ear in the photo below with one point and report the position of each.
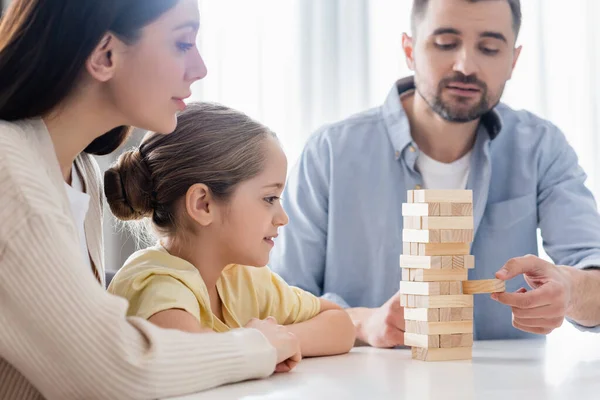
(101, 64)
(407, 47)
(517, 53)
(200, 205)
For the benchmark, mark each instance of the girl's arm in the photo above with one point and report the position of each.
(329, 333)
(176, 318)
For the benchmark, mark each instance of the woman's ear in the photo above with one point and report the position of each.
(102, 63)
(199, 204)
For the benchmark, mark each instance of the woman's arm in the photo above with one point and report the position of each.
(51, 306)
(328, 333)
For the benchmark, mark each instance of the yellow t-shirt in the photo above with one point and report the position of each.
(153, 280)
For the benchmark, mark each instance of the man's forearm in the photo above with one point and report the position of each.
(584, 306)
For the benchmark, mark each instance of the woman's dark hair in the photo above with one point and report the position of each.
(44, 46)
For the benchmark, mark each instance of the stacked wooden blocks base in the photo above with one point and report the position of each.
(438, 230)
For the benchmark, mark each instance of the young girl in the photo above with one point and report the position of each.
(74, 76)
(211, 190)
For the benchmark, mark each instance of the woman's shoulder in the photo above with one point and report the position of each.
(25, 174)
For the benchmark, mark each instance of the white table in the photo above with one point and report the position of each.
(563, 367)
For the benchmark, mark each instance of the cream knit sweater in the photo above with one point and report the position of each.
(61, 335)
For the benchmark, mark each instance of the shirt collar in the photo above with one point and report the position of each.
(397, 123)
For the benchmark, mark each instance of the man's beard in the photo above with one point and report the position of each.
(456, 114)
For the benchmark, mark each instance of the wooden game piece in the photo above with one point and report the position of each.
(414, 248)
(455, 340)
(420, 209)
(430, 288)
(441, 249)
(447, 354)
(455, 235)
(441, 301)
(426, 262)
(455, 314)
(405, 274)
(411, 222)
(433, 275)
(410, 196)
(446, 222)
(455, 209)
(458, 262)
(421, 236)
(484, 286)
(438, 328)
(443, 196)
(419, 340)
(422, 314)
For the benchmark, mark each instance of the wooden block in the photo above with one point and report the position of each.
(442, 249)
(438, 328)
(422, 314)
(458, 262)
(454, 235)
(454, 340)
(414, 249)
(446, 222)
(410, 196)
(456, 209)
(420, 209)
(404, 300)
(426, 262)
(440, 301)
(435, 275)
(484, 286)
(443, 196)
(448, 354)
(418, 340)
(406, 248)
(405, 274)
(411, 222)
(455, 314)
(421, 288)
(431, 288)
(420, 236)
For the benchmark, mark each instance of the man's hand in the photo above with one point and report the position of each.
(544, 308)
(380, 327)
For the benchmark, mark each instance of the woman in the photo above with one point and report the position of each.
(74, 76)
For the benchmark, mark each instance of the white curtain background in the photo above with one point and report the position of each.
(298, 64)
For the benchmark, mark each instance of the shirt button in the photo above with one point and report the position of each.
(397, 154)
(411, 149)
(417, 187)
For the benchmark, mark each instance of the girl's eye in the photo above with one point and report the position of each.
(271, 199)
(184, 47)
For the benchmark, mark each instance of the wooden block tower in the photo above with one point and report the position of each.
(435, 292)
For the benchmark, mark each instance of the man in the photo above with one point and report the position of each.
(445, 129)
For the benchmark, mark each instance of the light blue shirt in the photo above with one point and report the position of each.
(344, 200)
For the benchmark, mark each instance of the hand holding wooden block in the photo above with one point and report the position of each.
(484, 286)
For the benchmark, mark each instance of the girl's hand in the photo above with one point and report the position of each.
(285, 342)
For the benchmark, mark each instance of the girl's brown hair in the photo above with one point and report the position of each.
(213, 144)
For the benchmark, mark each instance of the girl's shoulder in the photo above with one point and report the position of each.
(142, 265)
